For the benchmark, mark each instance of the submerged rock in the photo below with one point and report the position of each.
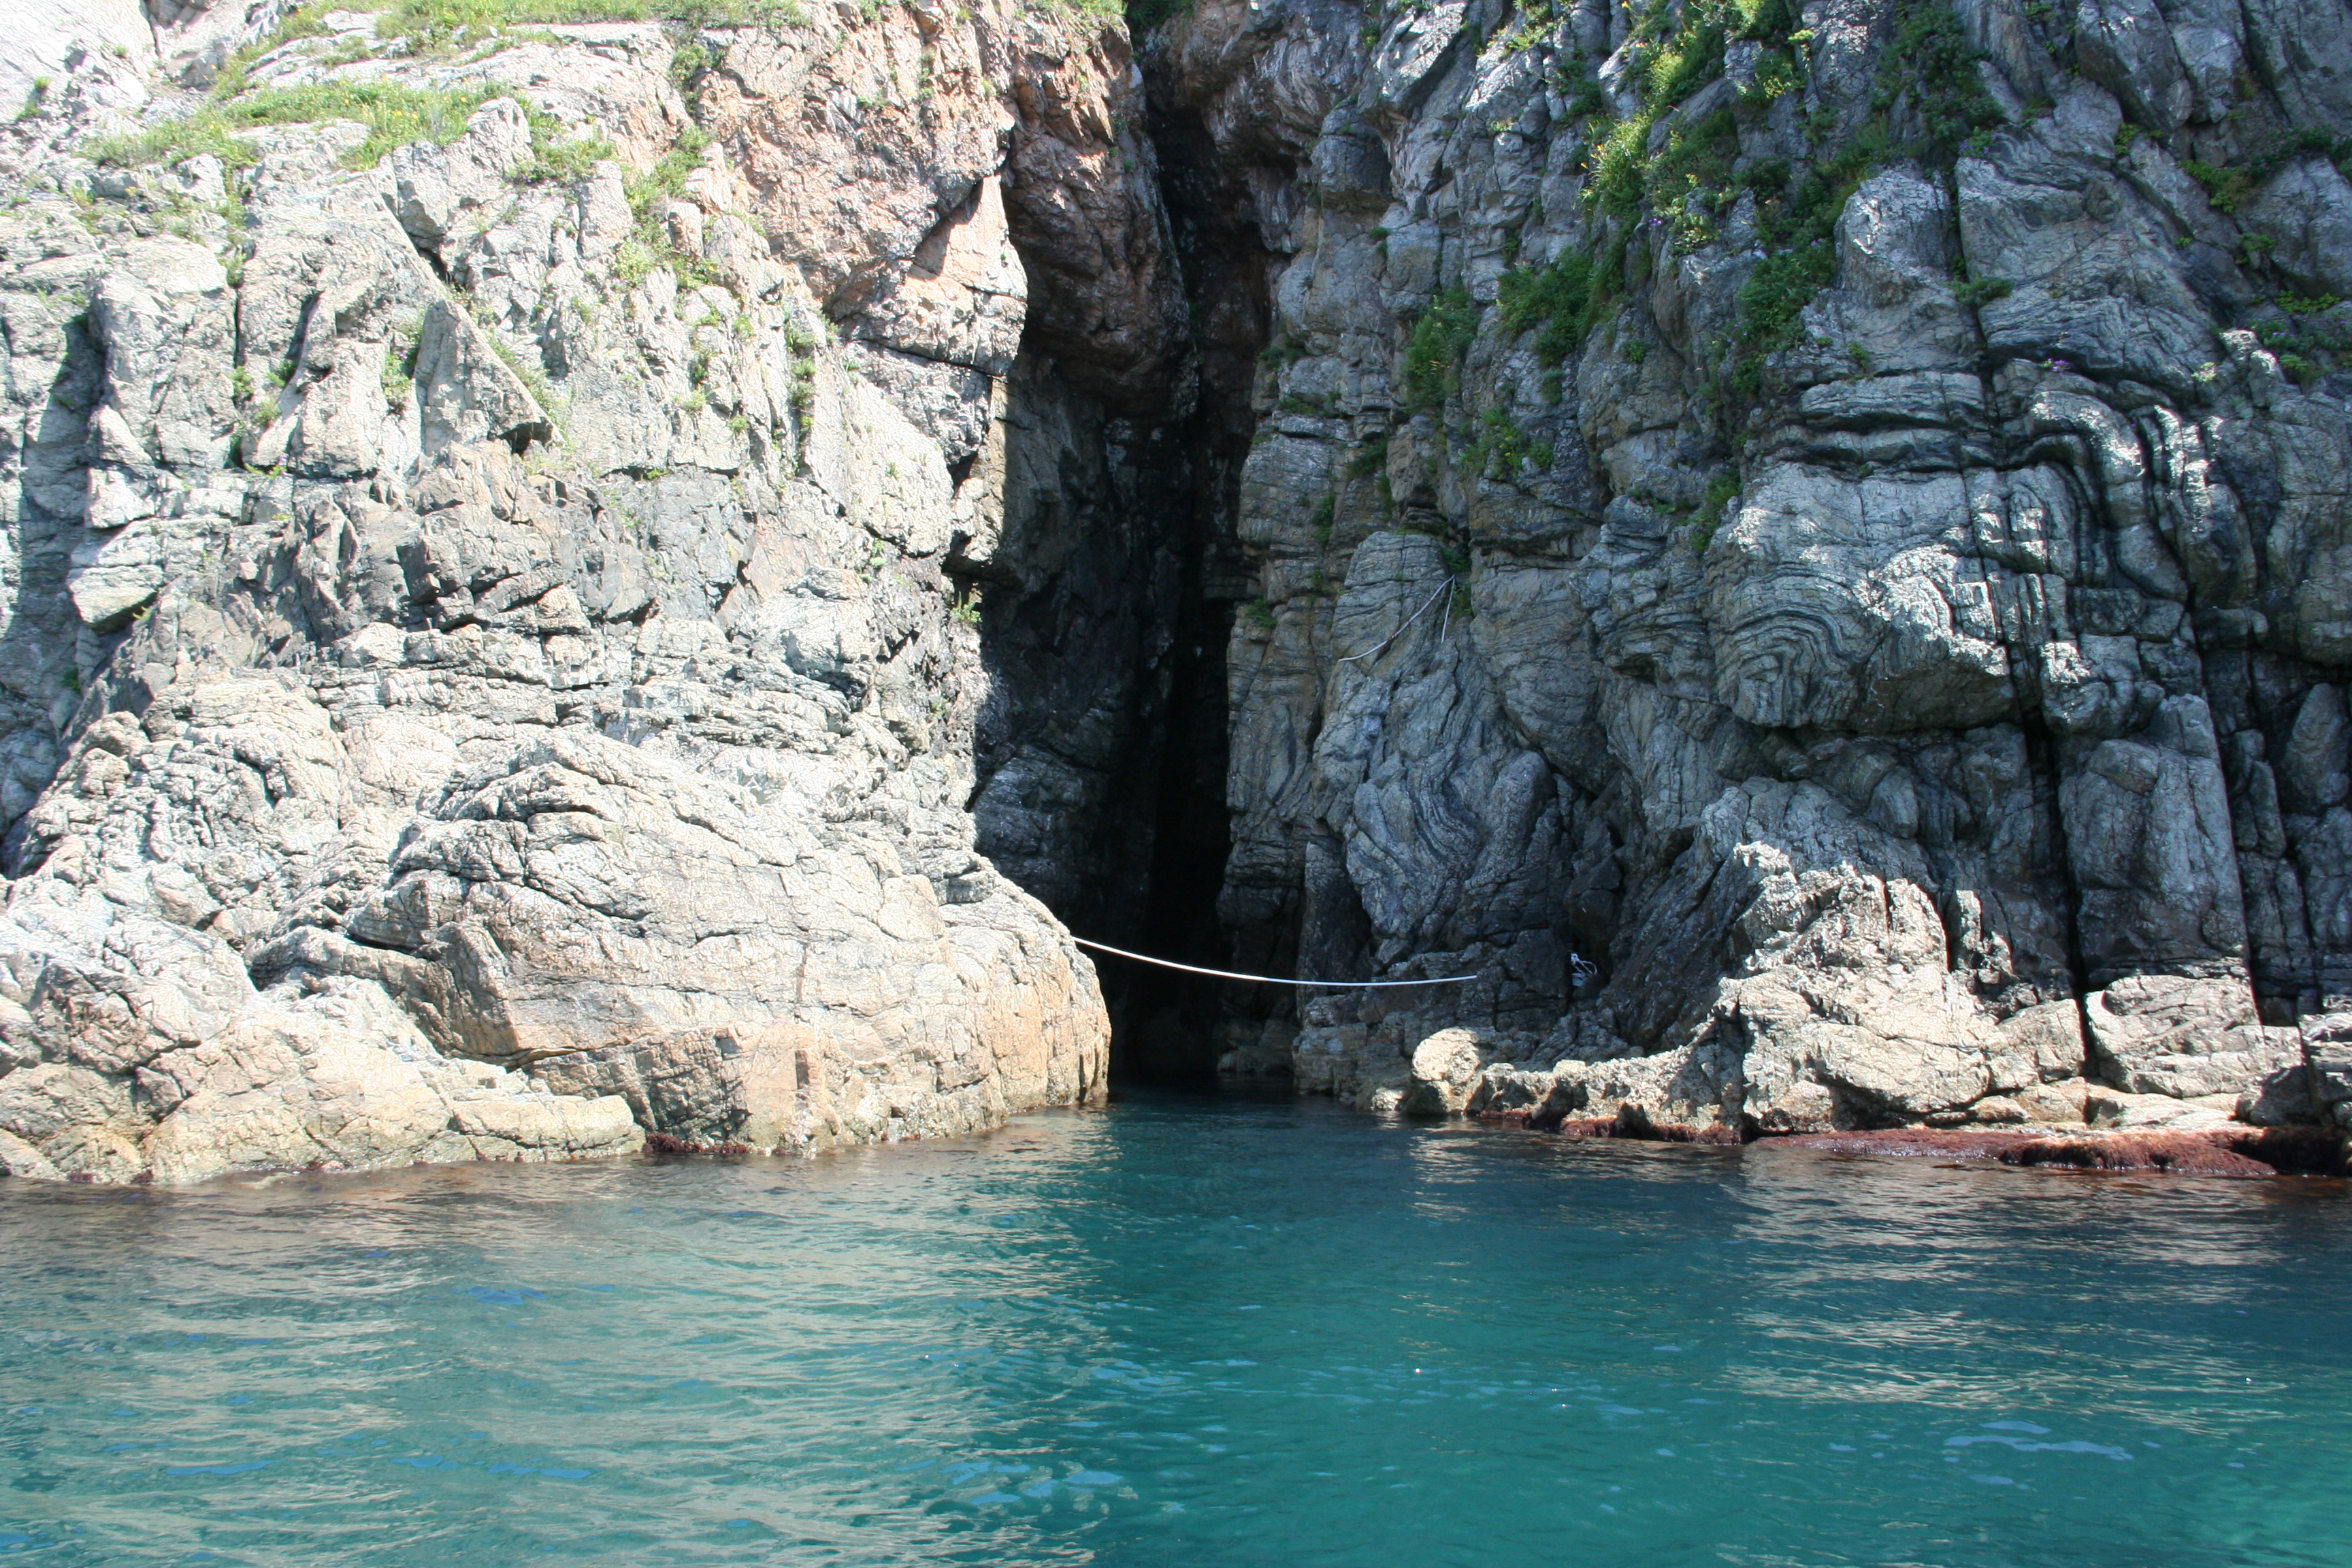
(2213, 1152)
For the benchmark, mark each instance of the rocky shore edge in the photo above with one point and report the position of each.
(2243, 1151)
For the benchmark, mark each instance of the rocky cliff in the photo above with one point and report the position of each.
(500, 512)
(581, 570)
(1806, 544)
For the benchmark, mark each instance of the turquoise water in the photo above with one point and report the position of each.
(1183, 1334)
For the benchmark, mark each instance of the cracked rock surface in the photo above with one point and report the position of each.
(484, 676)
(1807, 543)
(1886, 473)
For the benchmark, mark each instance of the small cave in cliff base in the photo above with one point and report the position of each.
(1100, 753)
(1101, 750)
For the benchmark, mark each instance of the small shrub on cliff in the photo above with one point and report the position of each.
(1720, 492)
(1620, 165)
(2303, 371)
(1283, 351)
(668, 177)
(562, 162)
(1434, 349)
(1503, 450)
(1980, 292)
(1685, 62)
(1771, 300)
(2230, 186)
(1932, 68)
(1557, 298)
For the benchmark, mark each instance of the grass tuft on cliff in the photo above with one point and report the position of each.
(1561, 303)
(394, 115)
(430, 22)
(1433, 350)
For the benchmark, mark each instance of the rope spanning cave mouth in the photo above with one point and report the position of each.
(1273, 979)
(1102, 756)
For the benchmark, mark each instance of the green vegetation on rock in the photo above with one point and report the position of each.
(429, 24)
(393, 113)
(1433, 350)
(1564, 300)
(2230, 185)
(396, 114)
(1930, 104)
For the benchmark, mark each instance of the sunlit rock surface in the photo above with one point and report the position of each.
(485, 676)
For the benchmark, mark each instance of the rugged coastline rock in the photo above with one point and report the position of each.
(492, 535)
(1879, 469)
(572, 580)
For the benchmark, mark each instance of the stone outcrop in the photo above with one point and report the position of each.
(493, 586)
(1802, 542)
(613, 579)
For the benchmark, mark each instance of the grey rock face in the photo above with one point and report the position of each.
(1880, 672)
(1821, 576)
(486, 677)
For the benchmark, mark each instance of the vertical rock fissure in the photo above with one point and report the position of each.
(2041, 761)
(1102, 753)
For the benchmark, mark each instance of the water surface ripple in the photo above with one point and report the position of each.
(1183, 1332)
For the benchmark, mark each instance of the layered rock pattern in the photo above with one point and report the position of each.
(1803, 543)
(585, 580)
(490, 596)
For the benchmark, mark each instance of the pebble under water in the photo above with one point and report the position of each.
(1183, 1332)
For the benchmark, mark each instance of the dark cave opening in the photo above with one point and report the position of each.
(1100, 752)
(1170, 1027)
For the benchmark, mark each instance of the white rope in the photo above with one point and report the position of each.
(1269, 979)
(1400, 630)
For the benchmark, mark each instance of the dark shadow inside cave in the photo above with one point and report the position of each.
(1106, 608)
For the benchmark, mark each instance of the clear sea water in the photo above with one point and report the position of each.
(1184, 1333)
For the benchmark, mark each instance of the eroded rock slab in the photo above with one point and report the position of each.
(485, 678)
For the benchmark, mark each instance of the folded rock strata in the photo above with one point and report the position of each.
(1885, 471)
(1805, 545)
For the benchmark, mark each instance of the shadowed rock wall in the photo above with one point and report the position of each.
(1829, 515)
